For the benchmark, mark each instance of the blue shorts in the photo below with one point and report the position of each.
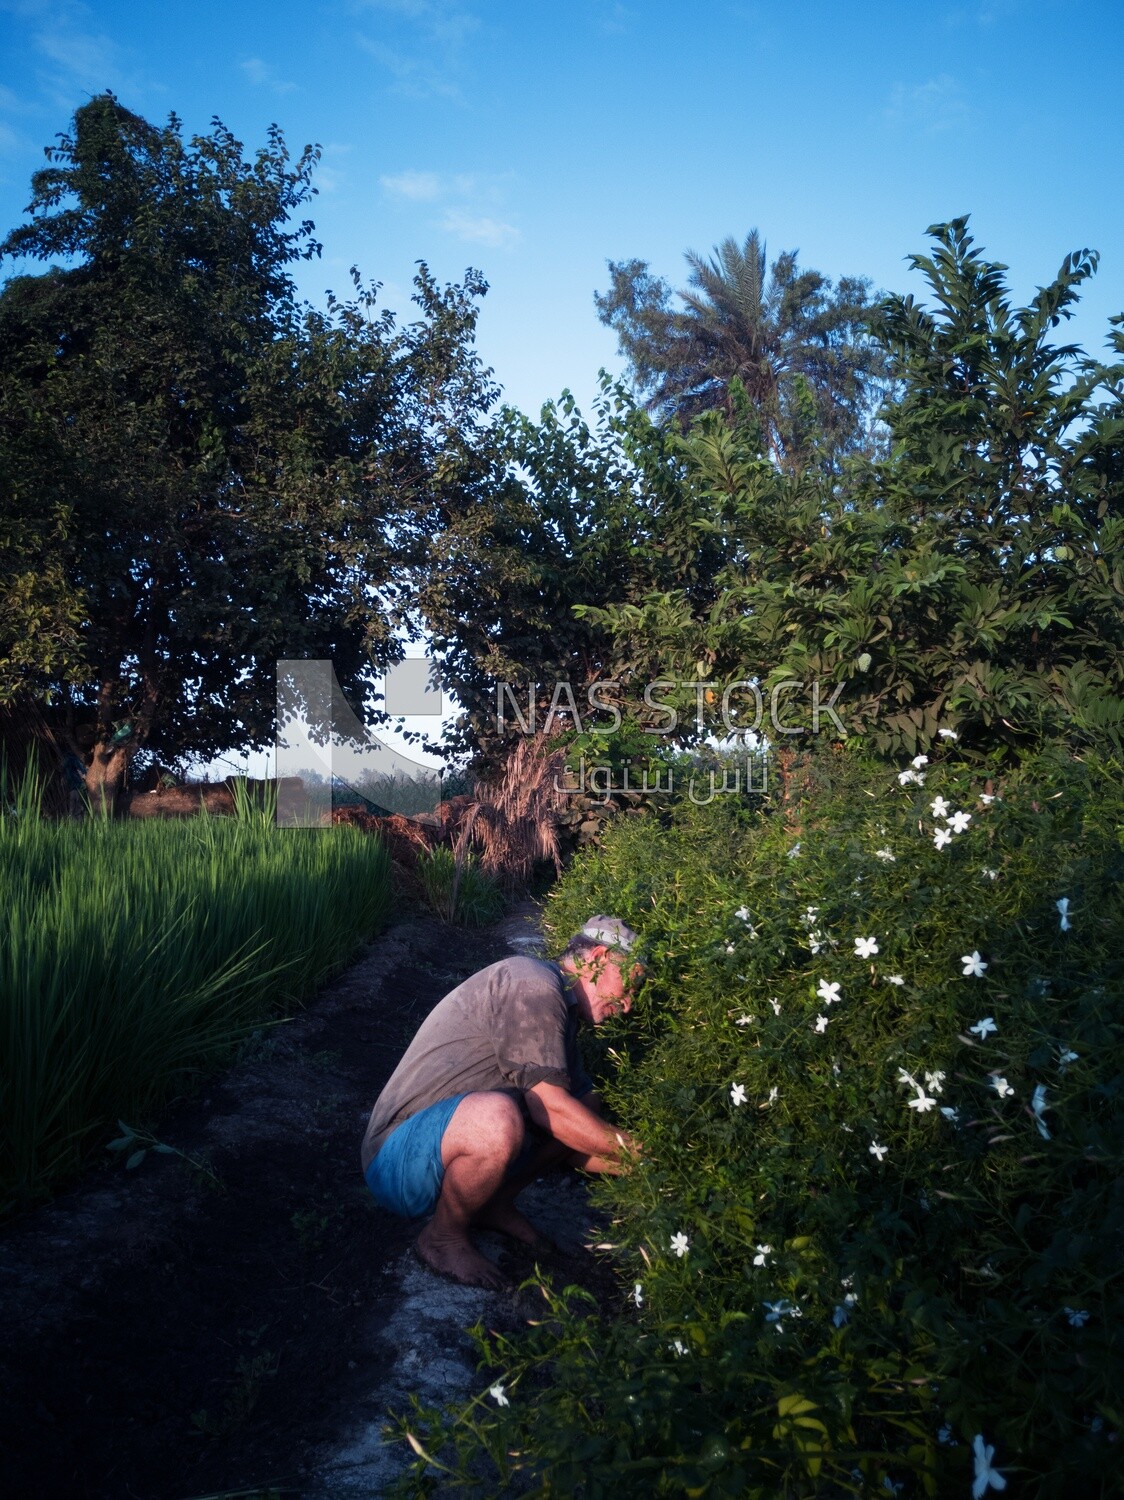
(406, 1173)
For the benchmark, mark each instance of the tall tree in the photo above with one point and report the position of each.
(971, 578)
(215, 476)
(800, 348)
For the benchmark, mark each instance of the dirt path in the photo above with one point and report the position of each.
(168, 1336)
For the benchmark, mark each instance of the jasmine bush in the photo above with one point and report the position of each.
(873, 1241)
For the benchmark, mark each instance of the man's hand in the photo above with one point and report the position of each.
(597, 1145)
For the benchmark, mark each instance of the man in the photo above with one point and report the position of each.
(491, 1092)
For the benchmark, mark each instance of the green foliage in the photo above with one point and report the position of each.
(202, 475)
(135, 955)
(573, 513)
(457, 888)
(971, 578)
(843, 1317)
(799, 353)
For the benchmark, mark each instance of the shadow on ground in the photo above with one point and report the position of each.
(172, 1334)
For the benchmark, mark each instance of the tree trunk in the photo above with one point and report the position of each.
(105, 776)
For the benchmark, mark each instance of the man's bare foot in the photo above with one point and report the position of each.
(455, 1256)
(505, 1218)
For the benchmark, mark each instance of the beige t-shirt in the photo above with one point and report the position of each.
(505, 1029)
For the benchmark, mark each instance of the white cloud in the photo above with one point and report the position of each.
(418, 187)
(478, 229)
(263, 76)
(87, 56)
(937, 105)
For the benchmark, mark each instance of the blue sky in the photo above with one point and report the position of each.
(537, 141)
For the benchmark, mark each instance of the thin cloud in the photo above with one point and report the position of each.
(67, 54)
(87, 56)
(417, 187)
(478, 229)
(421, 43)
(415, 77)
(263, 76)
(935, 106)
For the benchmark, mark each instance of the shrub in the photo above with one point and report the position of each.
(457, 888)
(867, 1228)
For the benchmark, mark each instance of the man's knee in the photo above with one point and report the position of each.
(484, 1124)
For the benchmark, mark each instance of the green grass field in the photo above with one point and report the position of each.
(133, 957)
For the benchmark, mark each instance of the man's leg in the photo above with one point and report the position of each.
(482, 1139)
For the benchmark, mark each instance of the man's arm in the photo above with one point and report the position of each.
(599, 1146)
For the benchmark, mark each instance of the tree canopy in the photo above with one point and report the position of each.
(800, 347)
(971, 578)
(203, 476)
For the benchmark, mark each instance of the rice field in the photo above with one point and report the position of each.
(135, 956)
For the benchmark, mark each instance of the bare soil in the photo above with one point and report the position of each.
(172, 1333)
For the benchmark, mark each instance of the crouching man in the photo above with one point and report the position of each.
(491, 1092)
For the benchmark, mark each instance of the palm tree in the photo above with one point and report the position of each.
(800, 349)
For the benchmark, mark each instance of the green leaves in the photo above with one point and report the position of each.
(207, 475)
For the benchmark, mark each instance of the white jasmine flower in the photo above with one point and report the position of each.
(922, 1103)
(918, 761)
(638, 1294)
(763, 1253)
(794, 851)
(816, 941)
(828, 993)
(772, 1099)
(985, 1475)
(866, 947)
(729, 947)
(987, 798)
(497, 1395)
(886, 854)
(939, 807)
(906, 777)
(678, 1346)
(821, 1024)
(950, 1113)
(679, 1243)
(782, 1309)
(843, 1311)
(745, 1020)
(1065, 1058)
(895, 979)
(942, 837)
(1039, 1107)
(1063, 913)
(742, 914)
(737, 1095)
(1077, 1319)
(810, 915)
(973, 964)
(776, 1004)
(945, 1436)
(877, 1150)
(959, 821)
(991, 874)
(948, 734)
(935, 1081)
(1002, 1087)
(982, 1028)
(906, 1077)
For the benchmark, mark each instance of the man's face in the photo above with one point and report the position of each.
(608, 979)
